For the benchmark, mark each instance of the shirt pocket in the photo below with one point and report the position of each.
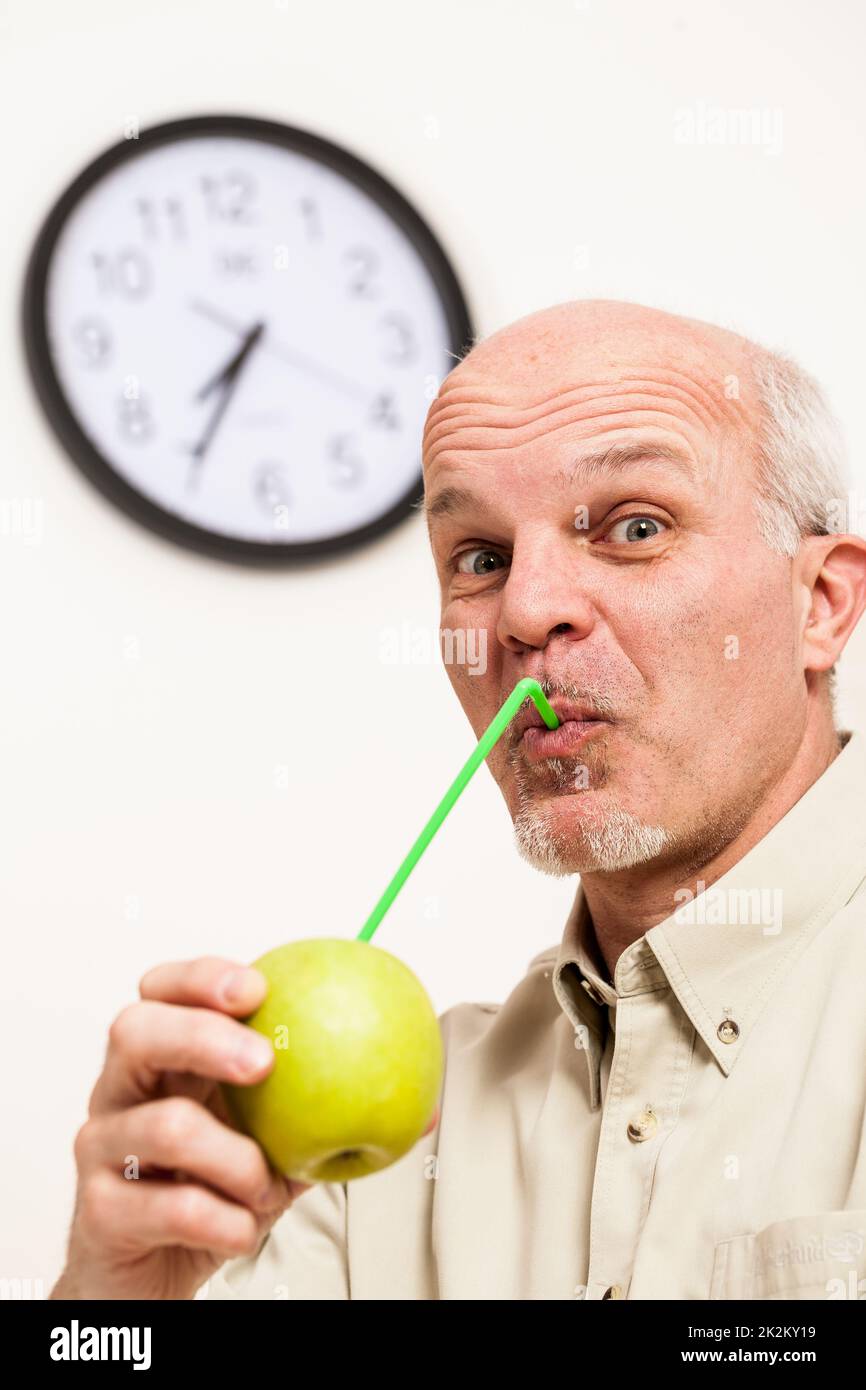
(822, 1256)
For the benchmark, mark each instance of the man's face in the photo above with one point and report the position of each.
(603, 541)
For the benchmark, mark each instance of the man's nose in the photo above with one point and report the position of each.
(545, 595)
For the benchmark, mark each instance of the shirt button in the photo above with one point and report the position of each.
(728, 1030)
(615, 1291)
(644, 1127)
(592, 991)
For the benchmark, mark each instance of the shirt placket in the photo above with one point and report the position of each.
(641, 1102)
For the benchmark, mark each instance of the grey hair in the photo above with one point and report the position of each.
(801, 463)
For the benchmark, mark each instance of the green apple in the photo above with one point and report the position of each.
(358, 1061)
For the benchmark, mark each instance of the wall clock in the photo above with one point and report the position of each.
(235, 329)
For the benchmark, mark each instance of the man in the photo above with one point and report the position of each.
(642, 512)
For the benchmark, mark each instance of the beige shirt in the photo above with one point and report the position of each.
(695, 1131)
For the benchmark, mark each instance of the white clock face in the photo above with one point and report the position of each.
(247, 337)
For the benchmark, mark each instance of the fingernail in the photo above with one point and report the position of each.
(252, 1054)
(233, 985)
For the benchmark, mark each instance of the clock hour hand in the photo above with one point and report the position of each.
(227, 380)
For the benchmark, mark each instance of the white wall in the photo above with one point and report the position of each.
(141, 818)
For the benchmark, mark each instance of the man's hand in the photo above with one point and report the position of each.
(205, 1192)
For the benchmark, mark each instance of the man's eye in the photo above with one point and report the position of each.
(476, 561)
(636, 528)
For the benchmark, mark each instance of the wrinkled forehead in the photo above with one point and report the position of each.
(545, 396)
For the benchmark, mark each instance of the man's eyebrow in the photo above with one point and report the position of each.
(613, 459)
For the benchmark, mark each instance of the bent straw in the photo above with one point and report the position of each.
(525, 688)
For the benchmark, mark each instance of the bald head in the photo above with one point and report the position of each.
(611, 332)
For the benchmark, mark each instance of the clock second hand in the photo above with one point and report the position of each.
(228, 380)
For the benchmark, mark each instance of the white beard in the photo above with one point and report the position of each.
(619, 842)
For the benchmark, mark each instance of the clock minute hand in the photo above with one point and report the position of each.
(227, 379)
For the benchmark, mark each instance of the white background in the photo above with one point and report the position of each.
(154, 701)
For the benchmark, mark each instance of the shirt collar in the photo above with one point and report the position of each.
(724, 952)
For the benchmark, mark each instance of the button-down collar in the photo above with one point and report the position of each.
(723, 951)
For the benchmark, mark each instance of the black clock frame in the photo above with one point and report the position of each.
(77, 444)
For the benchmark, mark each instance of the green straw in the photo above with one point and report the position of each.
(525, 688)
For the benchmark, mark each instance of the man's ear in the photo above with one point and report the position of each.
(833, 578)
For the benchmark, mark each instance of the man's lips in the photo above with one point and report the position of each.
(566, 712)
(576, 724)
(552, 743)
